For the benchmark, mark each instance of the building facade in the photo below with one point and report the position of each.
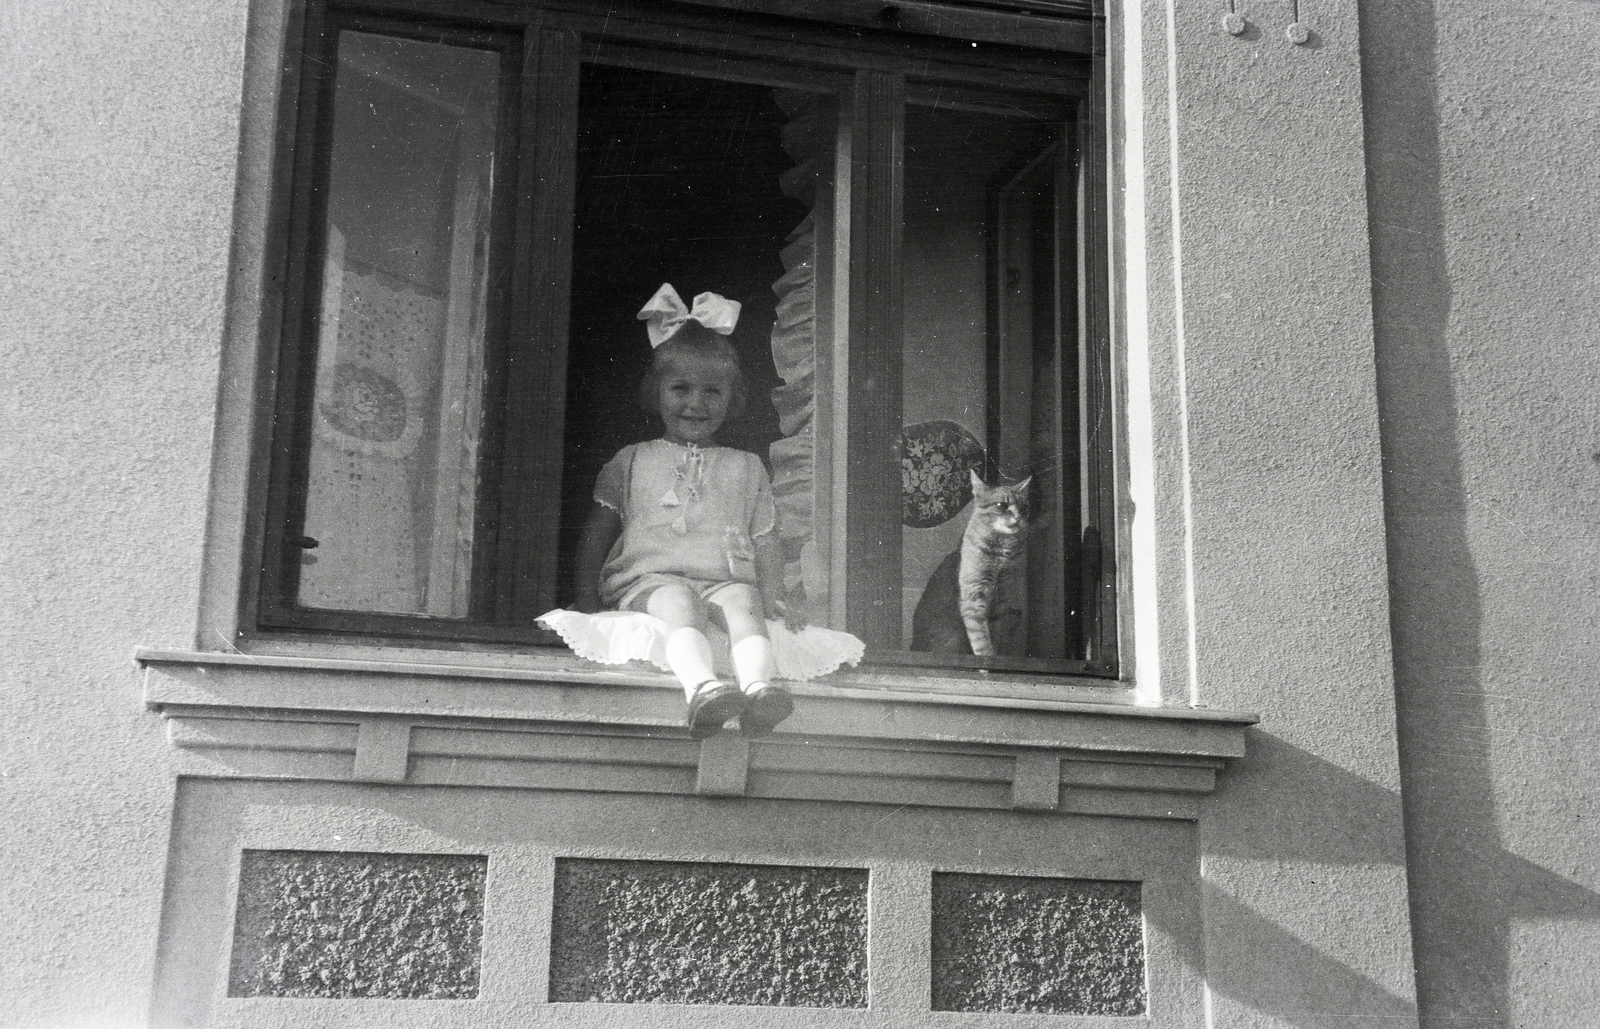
(1322, 758)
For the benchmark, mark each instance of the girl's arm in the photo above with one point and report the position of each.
(769, 572)
(600, 533)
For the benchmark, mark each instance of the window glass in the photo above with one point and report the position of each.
(392, 483)
(991, 370)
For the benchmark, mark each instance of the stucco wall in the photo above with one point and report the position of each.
(1269, 523)
(116, 180)
(1481, 129)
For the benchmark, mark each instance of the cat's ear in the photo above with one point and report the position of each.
(1023, 485)
(978, 485)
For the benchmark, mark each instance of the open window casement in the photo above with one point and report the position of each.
(481, 203)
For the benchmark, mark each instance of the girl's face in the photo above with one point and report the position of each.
(695, 393)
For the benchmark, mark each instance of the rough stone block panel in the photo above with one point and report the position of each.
(1016, 944)
(660, 932)
(352, 925)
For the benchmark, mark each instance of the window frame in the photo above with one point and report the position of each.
(306, 203)
(536, 203)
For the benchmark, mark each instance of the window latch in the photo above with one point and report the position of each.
(303, 542)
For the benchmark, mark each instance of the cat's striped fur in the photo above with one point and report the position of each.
(963, 594)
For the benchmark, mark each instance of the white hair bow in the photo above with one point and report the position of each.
(666, 313)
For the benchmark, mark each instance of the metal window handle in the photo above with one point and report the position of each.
(303, 542)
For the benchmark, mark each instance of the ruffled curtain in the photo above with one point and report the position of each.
(794, 339)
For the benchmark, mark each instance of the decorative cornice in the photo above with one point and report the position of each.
(426, 724)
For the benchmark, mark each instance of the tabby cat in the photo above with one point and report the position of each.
(964, 593)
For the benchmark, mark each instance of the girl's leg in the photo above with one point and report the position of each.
(768, 704)
(688, 650)
(711, 701)
(747, 631)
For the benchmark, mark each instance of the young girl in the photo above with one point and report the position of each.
(682, 529)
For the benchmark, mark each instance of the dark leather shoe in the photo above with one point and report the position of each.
(764, 709)
(713, 704)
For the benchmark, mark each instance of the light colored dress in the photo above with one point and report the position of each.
(618, 637)
(691, 515)
(688, 513)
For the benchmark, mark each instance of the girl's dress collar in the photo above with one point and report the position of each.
(693, 448)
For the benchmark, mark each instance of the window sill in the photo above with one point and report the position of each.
(549, 660)
(543, 722)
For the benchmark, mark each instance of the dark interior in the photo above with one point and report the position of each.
(677, 182)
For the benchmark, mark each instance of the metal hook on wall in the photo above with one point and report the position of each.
(1233, 22)
(1298, 32)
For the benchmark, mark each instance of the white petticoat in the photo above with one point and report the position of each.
(617, 637)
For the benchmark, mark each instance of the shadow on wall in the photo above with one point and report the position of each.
(1330, 817)
(1336, 818)
(1290, 979)
(1467, 892)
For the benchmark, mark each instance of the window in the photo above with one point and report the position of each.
(482, 195)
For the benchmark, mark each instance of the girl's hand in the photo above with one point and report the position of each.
(793, 619)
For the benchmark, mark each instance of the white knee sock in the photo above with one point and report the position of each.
(689, 657)
(752, 660)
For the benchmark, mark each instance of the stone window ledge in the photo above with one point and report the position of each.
(545, 723)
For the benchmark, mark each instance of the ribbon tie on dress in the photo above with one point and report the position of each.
(688, 474)
(666, 314)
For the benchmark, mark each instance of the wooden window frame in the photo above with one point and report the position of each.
(776, 42)
(302, 284)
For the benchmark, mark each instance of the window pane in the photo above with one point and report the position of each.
(393, 473)
(990, 375)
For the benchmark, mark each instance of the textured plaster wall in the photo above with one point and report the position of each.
(1482, 122)
(1018, 944)
(358, 925)
(116, 180)
(648, 932)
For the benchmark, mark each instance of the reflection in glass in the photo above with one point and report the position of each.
(991, 356)
(393, 475)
